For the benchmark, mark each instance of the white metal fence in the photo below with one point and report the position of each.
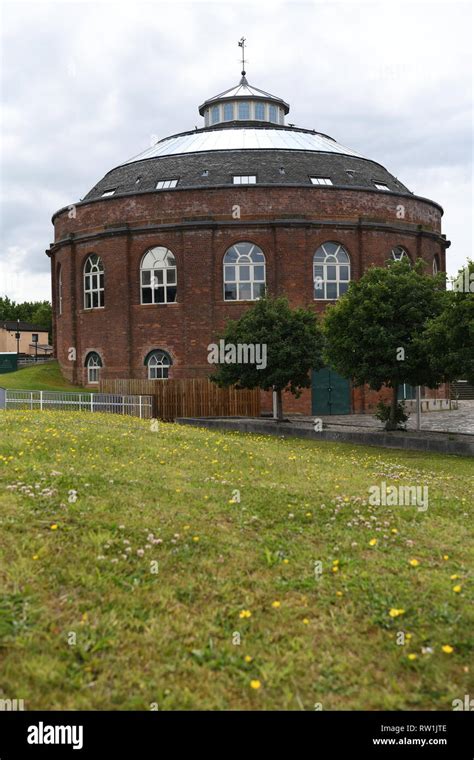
(135, 406)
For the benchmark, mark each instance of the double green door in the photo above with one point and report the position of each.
(330, 393)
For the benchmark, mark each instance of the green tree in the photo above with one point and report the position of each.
(451, 334)
(293, 344)
(38, 312)
(374, 332)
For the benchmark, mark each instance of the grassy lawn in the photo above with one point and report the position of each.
(42, 377)
(130, 572)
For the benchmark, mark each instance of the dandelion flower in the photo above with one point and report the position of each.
(196, 538)
(338, 593)
(372, 542)
(276, 604)
(447, 649)
(305, 621)
(412, 656)
(394, 612)
(457, 589)
(255, 684)
(247, 658)
(286, 561)
(245, 614)
(414, 562)
(445, 556)
(53, 526)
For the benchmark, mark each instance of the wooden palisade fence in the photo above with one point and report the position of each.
(193, 397)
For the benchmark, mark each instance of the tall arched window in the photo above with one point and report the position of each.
(435, 265)
(158, 363)
(399, 254)
(331, 271)
(93, 364)
(93, 282)
(158, 276)
(60, 290)
(244, 272)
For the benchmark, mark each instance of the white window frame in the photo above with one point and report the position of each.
(400, 256)
(94, 365)
(321, 180)
(262, 106)
(248, 255)
(60, 290)
(94, 270)
(435, 266)
(163, 275)
(231, 107)
(381, 186)
(166, 184)
(108, 193)
(244, 179)
(243, 103)
(158, 363)
(339, 258)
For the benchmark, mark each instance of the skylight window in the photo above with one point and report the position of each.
(108, 192)
(321, 180)
(165, 184)
(381, 186)
(245, 179)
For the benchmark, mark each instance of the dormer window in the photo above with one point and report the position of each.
(321, 180)
(381, 186)
(166, 184)
(260, 111)
(107, 193)
(244, 111)
(245, 179)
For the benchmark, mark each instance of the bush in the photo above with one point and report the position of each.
(383, 414)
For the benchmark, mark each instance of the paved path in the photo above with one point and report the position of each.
(455, 421)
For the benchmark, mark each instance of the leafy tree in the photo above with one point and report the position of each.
(38, 312)
(293, 341)
(451, 334)
(374, 332)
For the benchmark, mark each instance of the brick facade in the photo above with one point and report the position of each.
(198, 226)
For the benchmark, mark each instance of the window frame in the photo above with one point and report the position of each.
(165, 366)
(251, 179)
(96, 283)
(325, 280)
(404, 255)
(237, 280)
(167, 280)
(93, 356)
(381, 186)
(321, 181)
(167, 184)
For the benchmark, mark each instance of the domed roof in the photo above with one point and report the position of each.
(245, 141)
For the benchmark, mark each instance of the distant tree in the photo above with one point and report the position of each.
(374, 332)
(37, 312)
(293, 344)
(451, 334)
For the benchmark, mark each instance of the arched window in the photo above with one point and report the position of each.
(331, 271)
(93, 282)
(158, 363)
(244, 273)
(399, 254)
(93, 364)
(60, 290)
(158, 276)
(435, 265)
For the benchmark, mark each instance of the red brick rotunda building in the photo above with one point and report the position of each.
(148, 267)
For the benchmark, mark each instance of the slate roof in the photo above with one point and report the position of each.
(279, 166)
(22, 326)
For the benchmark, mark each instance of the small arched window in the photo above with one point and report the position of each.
(435, 265)
(399, 254)
(158, 363)
(244, 272)
(60, 290)
(93, 282)
(93, 364)
(158, 276)
(331, 271)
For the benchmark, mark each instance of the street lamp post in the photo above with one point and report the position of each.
(17, 336)
(35, 341)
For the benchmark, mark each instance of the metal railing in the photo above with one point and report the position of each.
(135, 406)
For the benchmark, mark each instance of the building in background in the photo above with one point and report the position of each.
(32, 340)
(172, 243)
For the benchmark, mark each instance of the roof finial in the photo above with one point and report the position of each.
(242, 45)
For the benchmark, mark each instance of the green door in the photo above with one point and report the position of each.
(330, 393)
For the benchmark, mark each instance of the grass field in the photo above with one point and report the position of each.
(42, 377)
(133, 578)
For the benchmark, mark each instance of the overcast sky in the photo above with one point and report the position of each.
(87, 85)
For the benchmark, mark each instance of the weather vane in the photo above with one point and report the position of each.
(242, 45)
